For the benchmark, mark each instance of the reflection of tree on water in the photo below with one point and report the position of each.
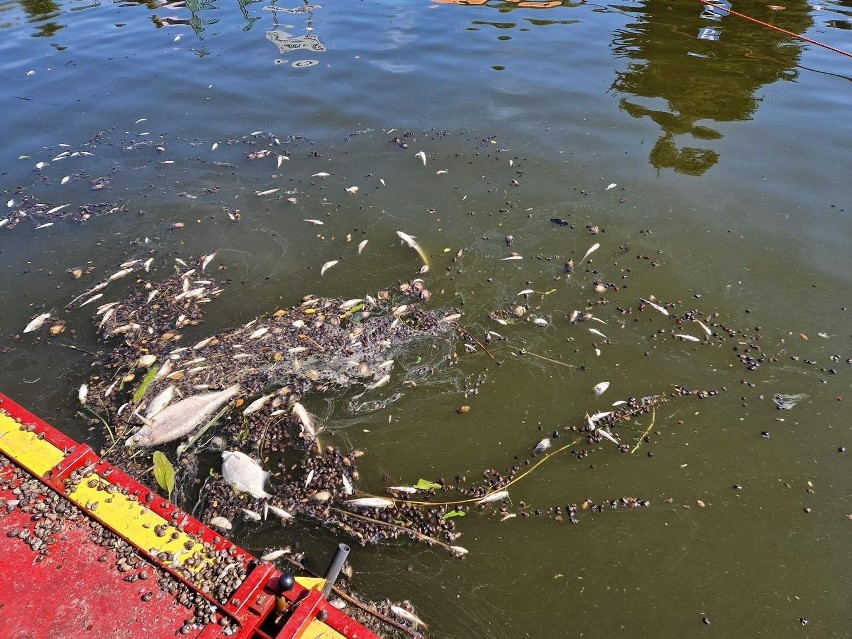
(699, 79)
(39, 11)
(288, 42)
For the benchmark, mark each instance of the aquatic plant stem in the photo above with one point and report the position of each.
(647, 430)
(478, 343)
(379, 522)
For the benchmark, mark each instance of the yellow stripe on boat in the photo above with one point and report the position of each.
(318, 630)
(36, 455)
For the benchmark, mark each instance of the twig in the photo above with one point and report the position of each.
(647, 430)
(546, 359)
(419, 535)
(361, 606)
(478, 343)
(74, 348)
(312, 341)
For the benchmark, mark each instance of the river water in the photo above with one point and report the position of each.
(713, 171)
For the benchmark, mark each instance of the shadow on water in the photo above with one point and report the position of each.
(678, 80)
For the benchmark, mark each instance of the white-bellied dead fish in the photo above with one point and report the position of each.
(685, 337)
(371, 502)
(207, 259)
(542, 446)
(244, 474)
(595, 331)
(83, 393)
(422, 156)
(656, 307)
(36, 323)
(495, 496)
(348, 489)
(308, 429)
(181, 418)
(272, 555)
(160, 401)
(410, 240)
(251, 515)
(409, 490)
(257, 404)
(540, 321)
(361, 246)
(327, 266)
(282, 514)
(600, 389)
(704, 327)
(410, 617)
(221, 523)
(458, 551)
(594, 247)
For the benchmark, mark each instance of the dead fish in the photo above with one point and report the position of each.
(36, 323)
(202, 343)
(56, 209)
(304, 416)
(94, 298)
(458, 551)
(352, 189)
(594, 419)
(244, 474)
(410, 240)
(272, 555)
(347, 485)
(371, 502)
(513, 257)
(539, 321)
(361, 246)
(345, 306)
(594, 247)
(688, 338)
(600, 389)
(450, 318)
(83, 393)
(282, 514)
(103, 308)
(267, 192)
(152, 295)
(257, 404)
(595, 331)
(309, 478)
(656, 307)
(495, 496)
(410, 617)
(206, 261)
(160, 401)
(321, 496)
(542, 446)
(221, 523)
(382, 381)
(181, 418)
(146, 361)
(327, 266)
(43, 226)
(259, 333)
(609, 436)
(251, 515)
(314, 222)
(281, 159)
(422, 157)
(321, 174)
(408, 490)
(705, 328)
(65, 180)
(612, 185)
(119, 274)
(526, 291)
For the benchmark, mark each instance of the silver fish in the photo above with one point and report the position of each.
(361, 246)
(371, 502)
(542, 446)
(592, 249)
(410, 240)
(251, 515)
(221, 522)
(304, 416)
(181, 418)
(160, 401)
(36, 323)
(497, 496)
(83, 393)
(244, 474)
(684, 336)
(257, 404)
(206, 261)
(282, 514)
(600, 389)
(656, 307)
(272, 555)
(458, 551)
(410, 490)
(422, 156)
(410, 617)
(595, 331)
(327, 266)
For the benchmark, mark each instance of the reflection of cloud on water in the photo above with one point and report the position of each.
(391, 67)
(289, 42)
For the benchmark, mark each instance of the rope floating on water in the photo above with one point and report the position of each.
(772, 26)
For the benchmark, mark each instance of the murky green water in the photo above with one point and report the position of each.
(732, 196)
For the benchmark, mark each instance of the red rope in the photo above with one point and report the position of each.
(772, 26)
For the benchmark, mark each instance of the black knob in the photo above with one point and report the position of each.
(286, 581)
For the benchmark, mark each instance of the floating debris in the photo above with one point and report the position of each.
(786, 402)
(244, 474)
(600, 388)
(36, 323)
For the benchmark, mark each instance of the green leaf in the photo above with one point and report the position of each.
(423, 484)
(149, 377)
(455, 513)
(164, 472)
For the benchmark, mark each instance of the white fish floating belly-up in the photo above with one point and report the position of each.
(244, 474)
(181, 418)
